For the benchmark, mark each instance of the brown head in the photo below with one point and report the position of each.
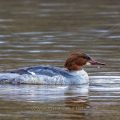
(76, 60)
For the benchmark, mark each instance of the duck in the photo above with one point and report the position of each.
(71, 74)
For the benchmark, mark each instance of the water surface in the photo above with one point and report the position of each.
(34, 32)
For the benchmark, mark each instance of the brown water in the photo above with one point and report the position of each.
(35, 32)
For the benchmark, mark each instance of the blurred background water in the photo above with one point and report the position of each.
(35, 32)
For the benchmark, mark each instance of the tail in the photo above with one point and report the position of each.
(7, 77)
(14, 78)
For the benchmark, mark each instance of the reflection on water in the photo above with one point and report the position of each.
(44, 101)
(42, 93)
(44, 32)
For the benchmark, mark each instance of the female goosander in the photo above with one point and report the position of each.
(72, 74)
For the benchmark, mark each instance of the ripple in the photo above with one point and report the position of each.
(45, 33)
(4, 36)
(44, 60)
(105, 98)
(6, 20)
(65, 46)
(106, 84)
(51, 4)
(104, 89)
(105, 79)
(1, 42)
(46, 51)
(114, 37)
(44, 43)
(99, 30)
(28, 33)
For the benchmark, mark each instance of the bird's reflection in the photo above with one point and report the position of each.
(42, 93)
(70, 100)
(77, 102)
(78, 97)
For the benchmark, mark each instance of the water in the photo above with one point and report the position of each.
(34, 32)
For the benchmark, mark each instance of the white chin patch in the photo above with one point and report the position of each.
(88, 63)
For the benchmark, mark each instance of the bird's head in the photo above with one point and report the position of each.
(77, 60)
